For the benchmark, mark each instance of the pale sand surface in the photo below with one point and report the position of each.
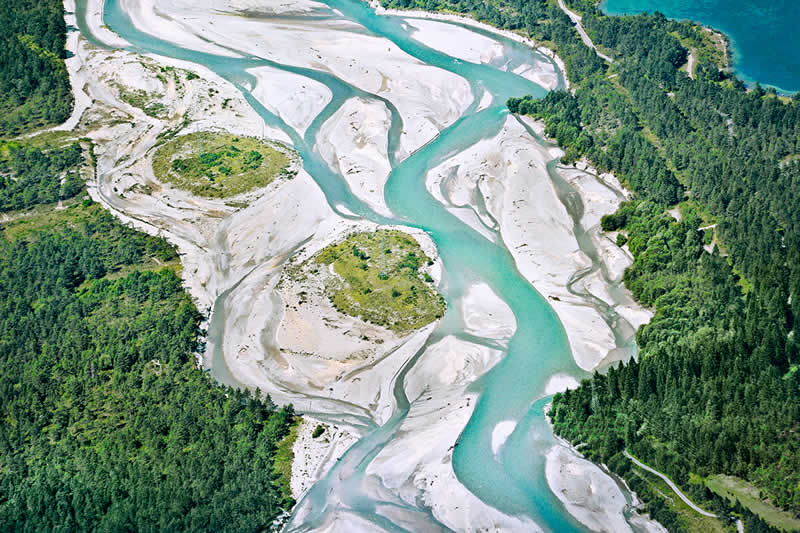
(485, 101)
(417, 14)
(586, 491)
(486, 315)
(313, 457)
(417, 462)
(94, 19)
(455, 41)
(293, 7)
(157, 18)
(464, 44)
(354, 143)
(560, 383)
(509, 173)
(500, 434)
(294, 98)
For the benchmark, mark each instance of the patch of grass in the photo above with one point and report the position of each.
(219, 165)
(44, 140)
(143, 100)
(691, 519)
(284, 457)
(380, 280)
(46, 217)
(750, 497)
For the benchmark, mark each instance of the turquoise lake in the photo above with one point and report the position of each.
(763, 33)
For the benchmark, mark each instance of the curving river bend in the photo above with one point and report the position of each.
(512, 481)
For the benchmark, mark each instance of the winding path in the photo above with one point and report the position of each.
(690, 65)
(672, 485)
(576, 19)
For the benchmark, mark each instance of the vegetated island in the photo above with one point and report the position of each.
(221, 165)
(377, 277)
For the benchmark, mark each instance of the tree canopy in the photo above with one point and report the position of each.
(107, 422)
(34, 84)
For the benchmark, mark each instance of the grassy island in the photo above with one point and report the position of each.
(380, 280)
(220, 165)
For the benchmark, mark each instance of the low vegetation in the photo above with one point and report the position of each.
(148, 102)
(220, 165)
(379, 280)
(753, 499)
(282, 466)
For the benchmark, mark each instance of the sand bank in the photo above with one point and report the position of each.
(313, 457)
(447, 17)
(417, 463)
(427, 98)
(508, 172)
(98, 28)
(486, 315)
(467, 45)
(294, 98)
(154, 17)
(354, 143)
(588, 493)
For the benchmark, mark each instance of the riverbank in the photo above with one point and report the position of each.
(467, 21)
(590, 494)
(738, 27)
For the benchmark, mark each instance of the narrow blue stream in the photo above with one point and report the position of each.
(514, 482)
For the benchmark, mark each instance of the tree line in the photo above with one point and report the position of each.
(107, 422)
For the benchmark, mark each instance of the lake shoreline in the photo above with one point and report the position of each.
(733, 50)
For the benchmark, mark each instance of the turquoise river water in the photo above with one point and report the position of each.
(763, 33)
(514, 482)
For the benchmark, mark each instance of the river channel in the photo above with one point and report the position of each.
(512, 481)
